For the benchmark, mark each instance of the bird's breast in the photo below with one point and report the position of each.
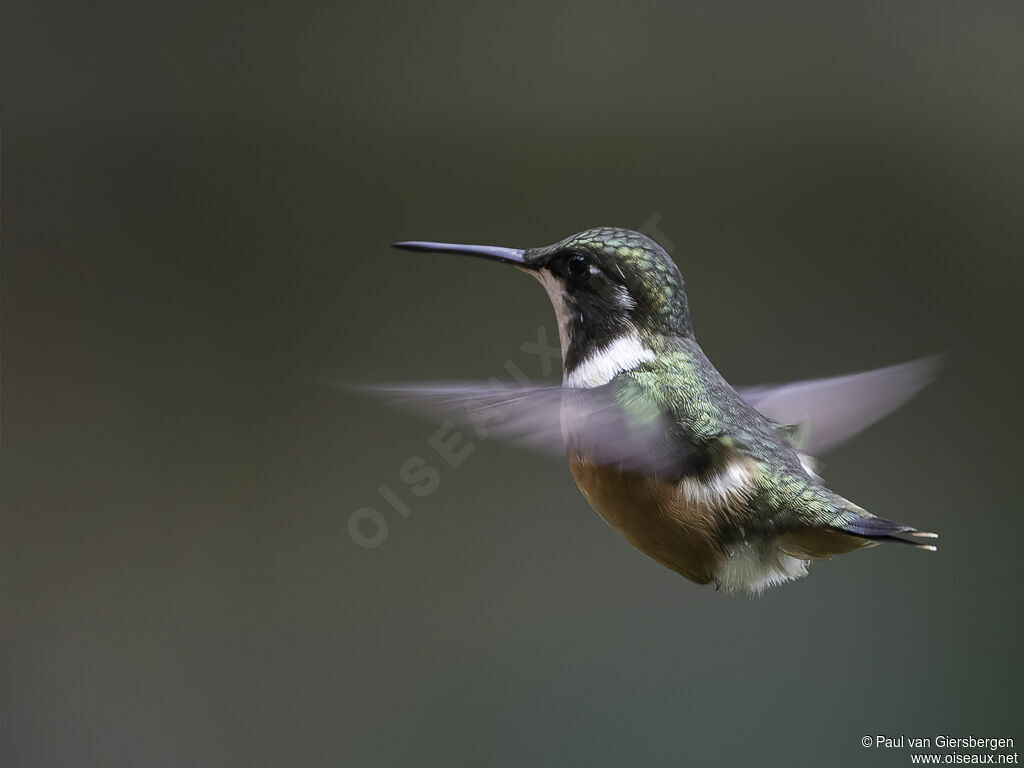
(655, 516)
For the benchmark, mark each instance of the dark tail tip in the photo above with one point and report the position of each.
(880, 529)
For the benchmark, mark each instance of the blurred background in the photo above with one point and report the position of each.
(197, 204)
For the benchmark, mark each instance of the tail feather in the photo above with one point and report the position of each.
(865, 526)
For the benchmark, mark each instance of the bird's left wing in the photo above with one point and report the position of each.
(616, 424)
(831, 411)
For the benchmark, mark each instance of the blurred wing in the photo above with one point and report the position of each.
(831, 411)
(615, 424)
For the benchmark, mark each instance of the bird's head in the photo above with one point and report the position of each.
(610, 288)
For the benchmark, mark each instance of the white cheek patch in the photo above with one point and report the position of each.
(623, 299)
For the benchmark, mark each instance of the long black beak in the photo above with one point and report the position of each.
(491, 252)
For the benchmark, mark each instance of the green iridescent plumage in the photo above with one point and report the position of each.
(708, 414)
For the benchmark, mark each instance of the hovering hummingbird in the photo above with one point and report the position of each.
(716, 484)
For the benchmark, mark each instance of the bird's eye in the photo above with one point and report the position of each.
(577, 266)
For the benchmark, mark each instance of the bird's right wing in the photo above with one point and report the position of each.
(615, 425)
(831, 411)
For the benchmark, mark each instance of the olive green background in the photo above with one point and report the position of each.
(197, 204)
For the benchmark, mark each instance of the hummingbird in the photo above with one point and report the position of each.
(717, 484)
